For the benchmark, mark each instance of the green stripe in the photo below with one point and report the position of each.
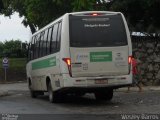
(49, 62)
(101, 56)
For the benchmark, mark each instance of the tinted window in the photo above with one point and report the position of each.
(54, 38)
(32, 49)
(29, 52)
(36, 44)
(48, 40)
(41, 49)
(44, 52)
(59, 36)
(93, 31)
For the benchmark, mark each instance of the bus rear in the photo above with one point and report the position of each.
(100, 52)
(98, 45)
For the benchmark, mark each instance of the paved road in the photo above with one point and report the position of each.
(18, 101)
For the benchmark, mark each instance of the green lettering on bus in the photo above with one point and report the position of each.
(101, 56)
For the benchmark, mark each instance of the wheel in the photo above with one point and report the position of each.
(50, 92)
(79, 94)
(104, 95)
(54, 97)
(32, 93)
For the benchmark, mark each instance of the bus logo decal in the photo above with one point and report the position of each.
(101, 56)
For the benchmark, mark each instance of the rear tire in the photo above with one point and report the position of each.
(33, 94)
(80, 94)
(50, 92)
(54, 97)
(104, 95)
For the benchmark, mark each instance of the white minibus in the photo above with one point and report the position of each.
(78, 53)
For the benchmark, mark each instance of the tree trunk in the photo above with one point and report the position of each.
(32, 28)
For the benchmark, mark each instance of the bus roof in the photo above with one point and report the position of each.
(75, 13)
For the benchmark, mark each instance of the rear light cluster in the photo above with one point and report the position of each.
(68, 62)
(129, 62)
(130, 59)
(94, 14)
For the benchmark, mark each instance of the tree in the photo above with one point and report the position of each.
(1, 5)
(12, 48)
(1, 48)
(11, 6)
(37, 13)
(141, 15)
(82, 5)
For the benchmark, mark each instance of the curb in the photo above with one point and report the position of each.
(13, 82)
(154, 88)
(135, 89)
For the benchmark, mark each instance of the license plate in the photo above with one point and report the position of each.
(101, 81)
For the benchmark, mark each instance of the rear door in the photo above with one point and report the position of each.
(98, 45)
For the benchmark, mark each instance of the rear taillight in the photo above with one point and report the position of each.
(94, 14)
(130, 59)
(68, 62)
(129, 62)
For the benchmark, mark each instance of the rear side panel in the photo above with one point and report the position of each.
(99, 61)
(98, 45)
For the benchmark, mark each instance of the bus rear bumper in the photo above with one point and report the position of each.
(112, 82)
(89, 89)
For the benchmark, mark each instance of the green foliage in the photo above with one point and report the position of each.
(16, 70)
(82, 5)
(11, 6)
(1, 48)
(12, 49)
(141, 14)
(15, 63)
(37, 13)
(41, 12)
(1, 5)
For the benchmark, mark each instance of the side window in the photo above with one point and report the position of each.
(54, 39)
(29, 52)
(48, 40)
(59, 36)
(32, 48)
(44, 51)
(41, 44)
(36, 50)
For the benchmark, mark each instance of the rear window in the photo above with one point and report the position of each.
(97, 31)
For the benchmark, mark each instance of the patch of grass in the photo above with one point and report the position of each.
(16, 70)
(15, 63)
